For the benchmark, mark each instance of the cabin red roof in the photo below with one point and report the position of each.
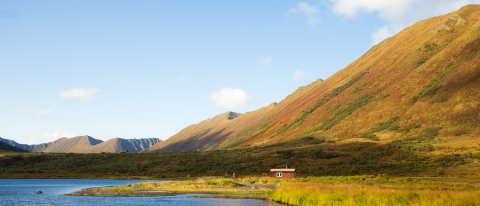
(282, 170)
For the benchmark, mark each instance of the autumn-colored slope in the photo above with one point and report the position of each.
(425, 78)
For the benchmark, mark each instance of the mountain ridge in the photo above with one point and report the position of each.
(30, 148)
(72, 145)
(122, 145)
(4, 147)
(86, 144)
(425, 78)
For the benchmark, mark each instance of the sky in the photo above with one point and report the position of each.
(142, 69)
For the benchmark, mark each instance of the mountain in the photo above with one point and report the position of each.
(423, 84)
(201, 135)
(4, 147)
(72, 145)
(86, 144)
(121, 145)
(30, 148)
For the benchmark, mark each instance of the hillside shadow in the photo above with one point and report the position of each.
(200, 141)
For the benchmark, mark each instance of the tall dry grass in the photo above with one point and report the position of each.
(315, 193)
(207, 185)
(330, 190)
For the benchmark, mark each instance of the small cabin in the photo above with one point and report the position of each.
(283, 173)
(236, 174)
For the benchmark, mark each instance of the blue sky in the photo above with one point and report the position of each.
(138, 69)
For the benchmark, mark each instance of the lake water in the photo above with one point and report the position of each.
(23, 192)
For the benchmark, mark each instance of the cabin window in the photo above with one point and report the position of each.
(279, 174)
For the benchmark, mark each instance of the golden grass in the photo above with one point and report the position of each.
(210, 185)
(362, 190)
(348, 194)
(118, 189)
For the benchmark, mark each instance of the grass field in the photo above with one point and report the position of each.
(375, 190)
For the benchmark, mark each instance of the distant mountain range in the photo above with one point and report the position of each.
(122, 145)
(4, 147)
(30, 148)
(86, 144)
(422, 82)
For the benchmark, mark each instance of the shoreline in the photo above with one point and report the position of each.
(104, 191)
(200, 188)
(107, 191)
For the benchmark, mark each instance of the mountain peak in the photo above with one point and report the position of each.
(233, 115)
(121, 145)
(87, 144)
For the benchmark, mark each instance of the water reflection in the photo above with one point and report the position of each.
(23, 192)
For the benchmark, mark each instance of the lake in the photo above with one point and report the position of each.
(23, 192)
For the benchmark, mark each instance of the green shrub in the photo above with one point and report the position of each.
(430, 47)
(432, 88)
(413, 100)
(320, 103)
(346, 111)
(440, 100)
(420, 62)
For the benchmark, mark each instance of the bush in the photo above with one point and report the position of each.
(440, 171)
(420, 62)
(346, 111)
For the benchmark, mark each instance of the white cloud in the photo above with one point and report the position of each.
(299, 75)
(83, 95)
(230, 98)
(309, 12)
(47, 136)
(382, 34)
(386, 9)
(182, 79)
(44, 111)
(266, 61)
(398, 14)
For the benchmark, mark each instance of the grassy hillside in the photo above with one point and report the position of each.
(419, 88)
